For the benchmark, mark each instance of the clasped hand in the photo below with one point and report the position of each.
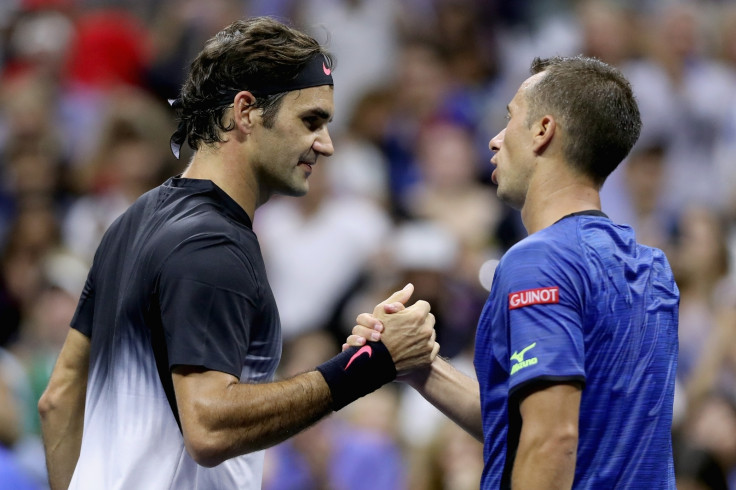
(407, 332)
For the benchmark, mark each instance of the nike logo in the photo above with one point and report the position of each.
(325, 69)
(363, 350)
(519, 356)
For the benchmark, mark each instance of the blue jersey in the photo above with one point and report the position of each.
(581, 301)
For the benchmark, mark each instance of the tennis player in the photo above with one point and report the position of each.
(576, 349)
(165, 380)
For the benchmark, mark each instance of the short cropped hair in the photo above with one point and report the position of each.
(594, 104)
(258, 49)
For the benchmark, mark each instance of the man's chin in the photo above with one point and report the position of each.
(510, 200)
(295, 191)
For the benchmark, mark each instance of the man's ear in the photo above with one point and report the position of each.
(244, 112)
(543, 132)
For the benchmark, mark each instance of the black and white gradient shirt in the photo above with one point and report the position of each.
(178, 279)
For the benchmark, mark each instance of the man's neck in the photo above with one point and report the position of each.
(234, 178)
(555, 195)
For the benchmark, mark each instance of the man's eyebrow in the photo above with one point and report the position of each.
(319, 112)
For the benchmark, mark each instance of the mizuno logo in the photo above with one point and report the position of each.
(534, 297)
(363, 350)
(519, 358)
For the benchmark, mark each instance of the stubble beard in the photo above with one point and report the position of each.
(513, 197)
(285, 182)
(291, 188)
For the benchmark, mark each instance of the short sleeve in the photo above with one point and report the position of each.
(208, 299)
(84, 314)
(543, 297)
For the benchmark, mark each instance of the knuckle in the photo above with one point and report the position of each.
(429, 324)
(417, 315)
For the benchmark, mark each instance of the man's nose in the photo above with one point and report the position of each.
(323, 143)
(496, 141)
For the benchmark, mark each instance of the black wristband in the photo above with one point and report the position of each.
(356, 372)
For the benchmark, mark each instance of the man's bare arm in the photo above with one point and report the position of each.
(548, 442)
(62, 410)
(452, 392)
(222, 418)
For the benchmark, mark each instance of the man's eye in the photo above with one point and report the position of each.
(311, 122)
(508, 116)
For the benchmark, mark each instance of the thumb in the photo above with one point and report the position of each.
(400, 296)
(393, 307)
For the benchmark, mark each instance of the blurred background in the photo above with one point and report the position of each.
(420, 88)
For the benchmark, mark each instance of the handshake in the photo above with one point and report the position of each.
(407, 332)
(394, 341)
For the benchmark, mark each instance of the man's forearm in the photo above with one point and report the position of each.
(62, 439)
(548, 441)
(454, 393)
(223, 421)
(222, 418)
(545, 466)
(278, 410)
(62, 410)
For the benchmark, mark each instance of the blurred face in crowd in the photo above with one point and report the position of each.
(606, 32)
(285, 153)
(514, 158)
(644, 176)
(679, 33)
(702, 250)
(442, 143)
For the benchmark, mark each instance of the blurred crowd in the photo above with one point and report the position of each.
(420, 88)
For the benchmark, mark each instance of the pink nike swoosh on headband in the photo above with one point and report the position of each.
(365, 349)
(325, 69)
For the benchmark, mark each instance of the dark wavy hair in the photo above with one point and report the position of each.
(258, 49)
(594, 104)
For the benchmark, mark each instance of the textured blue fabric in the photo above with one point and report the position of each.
(582, 301)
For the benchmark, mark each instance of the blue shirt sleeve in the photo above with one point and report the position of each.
(542, 293)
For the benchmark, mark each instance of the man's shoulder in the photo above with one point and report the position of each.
(550, 256)
(183, 215)
(127, 224)
(545, 245)
(578, 237)
(166, 224)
